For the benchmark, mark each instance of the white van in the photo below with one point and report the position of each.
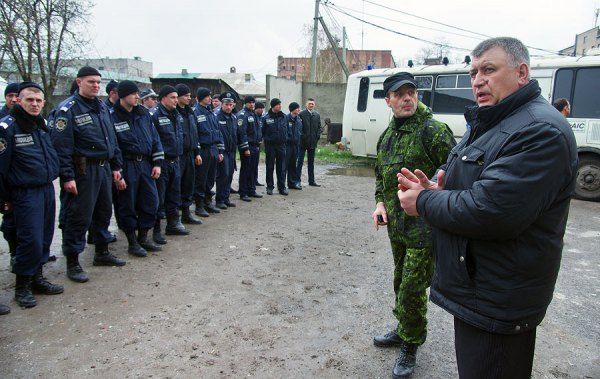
(447, 90)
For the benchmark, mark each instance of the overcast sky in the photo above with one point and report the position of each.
(211, 36)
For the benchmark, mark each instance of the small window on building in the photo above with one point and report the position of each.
(283, 68)
(363, 95)
(292, 68)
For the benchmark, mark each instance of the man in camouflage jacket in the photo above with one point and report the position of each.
(413, 139)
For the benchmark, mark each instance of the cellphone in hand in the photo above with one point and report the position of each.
(380, 220)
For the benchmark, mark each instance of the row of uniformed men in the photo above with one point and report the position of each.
(150, 162)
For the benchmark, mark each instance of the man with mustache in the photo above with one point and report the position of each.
(498, 209)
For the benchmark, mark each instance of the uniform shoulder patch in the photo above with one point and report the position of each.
(65, 106)
(240, 121)
(3, 145)
(60, 123)
(6, 122)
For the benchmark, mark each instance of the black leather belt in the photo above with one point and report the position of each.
(136, 157)
(99, 162)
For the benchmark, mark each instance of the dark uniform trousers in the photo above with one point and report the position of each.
(291, 156)
(169, 188)
(34, 211)
(248, 172)
(225, 171)
(9, 230)
(275, 157)
(92, 206)
(138, 203)
(311, 163)
(188, 173)
(256, 163)
(205, 175)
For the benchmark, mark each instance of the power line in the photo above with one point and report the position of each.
(407, 23)
(328, 5)
(449, 26)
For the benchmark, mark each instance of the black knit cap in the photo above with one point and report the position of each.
(24, 85)
(249, 99)
(182, 89)
(259, 105)
(11, 88)
(275, 102)
(165, 90)
(126, 88)
(293, 106)
(87, 71)
(202, 93)
(112, 85)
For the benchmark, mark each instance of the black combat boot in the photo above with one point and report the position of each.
(210, 208)
(157, 234)
(283, 192)
(390, 339)
(147, 243)
(221, 206)
(41, 285)
(200, 211)
(4, 309)
(134, 247)
(229, 204)
(269, 191)
(74, 270)
(103, 257)
(254, 194)
(405, 363)
(175, 227)
(245, 198)
(188, 218)
(23, 295)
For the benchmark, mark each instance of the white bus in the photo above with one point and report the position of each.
(447, 90)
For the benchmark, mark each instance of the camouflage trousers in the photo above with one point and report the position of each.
(413, 268)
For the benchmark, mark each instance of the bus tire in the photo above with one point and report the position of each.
(587, 185)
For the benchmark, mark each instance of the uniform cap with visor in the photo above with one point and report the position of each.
(394, 82)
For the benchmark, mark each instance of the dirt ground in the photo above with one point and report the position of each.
(280, 287)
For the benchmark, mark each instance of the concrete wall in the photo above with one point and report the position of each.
(285, 90)
(329, 97)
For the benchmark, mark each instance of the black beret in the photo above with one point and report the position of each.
(11, 88)
(126, 88)
(249, 99)
(24, 85)
(87, 71)
(112, 85)
(259, 105)
(182, 89)
(398, 80)
(275, 102)
(293, 106)
(202, 93)
(165, 90)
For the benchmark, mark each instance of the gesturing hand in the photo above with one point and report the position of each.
(420, 177)
(411, 185)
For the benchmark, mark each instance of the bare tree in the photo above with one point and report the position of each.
(328, 67)
(40, 36)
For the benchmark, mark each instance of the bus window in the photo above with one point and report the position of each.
(464, 81)
(363, 95)
(424, 85)
(586, 102)
(562, 84)
(378, 94)
(446, 81)
(449, 99)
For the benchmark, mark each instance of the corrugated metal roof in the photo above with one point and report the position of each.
(237, 81)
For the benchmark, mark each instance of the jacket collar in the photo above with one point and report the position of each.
(83, 103)
(275, 115)
(488, 117)
(26, 121)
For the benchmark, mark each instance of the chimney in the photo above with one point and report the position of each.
(184, 71)
(248, 78)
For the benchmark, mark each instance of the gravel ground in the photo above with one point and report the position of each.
(280, 287)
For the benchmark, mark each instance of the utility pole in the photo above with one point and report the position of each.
(313, 64)
(344, 49)
(334, 46)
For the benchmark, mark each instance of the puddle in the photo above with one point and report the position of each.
(361, 171)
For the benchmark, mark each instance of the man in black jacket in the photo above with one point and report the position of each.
(499, 217)
(311, 132)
